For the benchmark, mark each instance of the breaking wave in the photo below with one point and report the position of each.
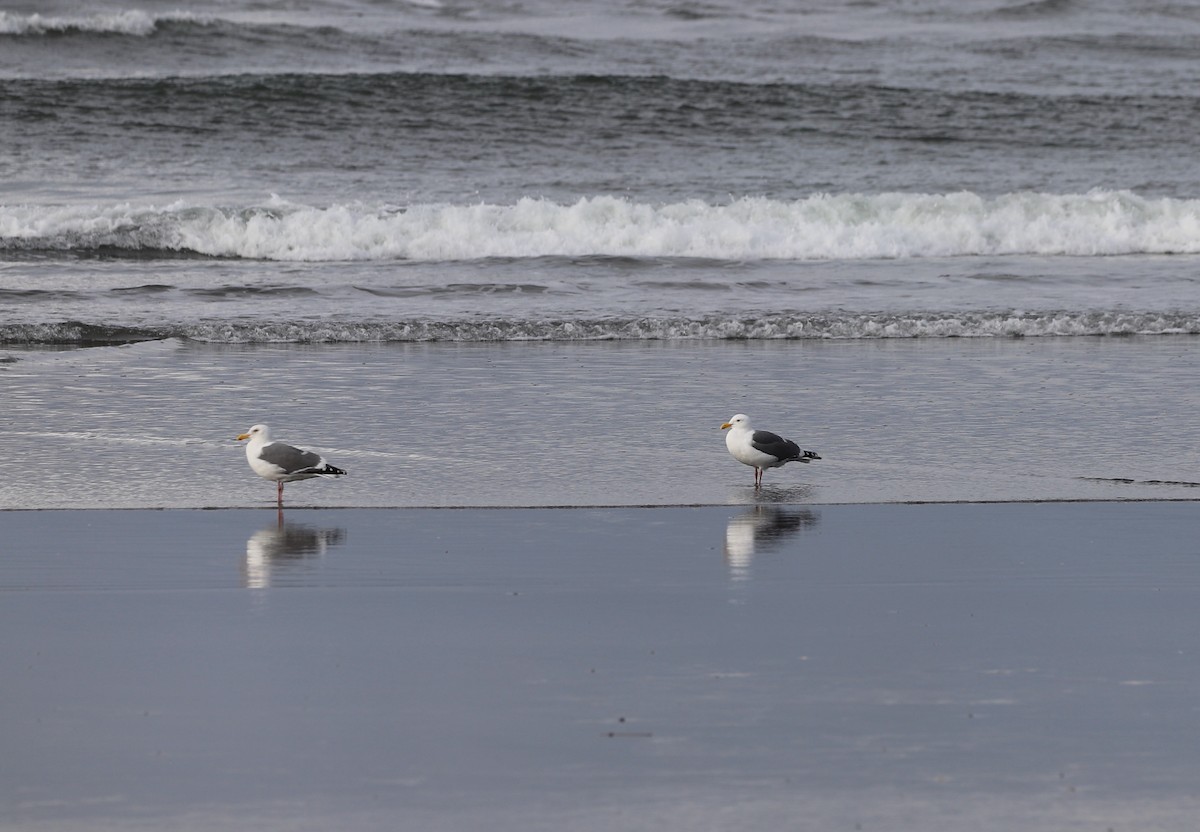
(765, 327)
(820, 227)
(130, 22)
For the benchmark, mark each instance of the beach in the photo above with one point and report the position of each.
(516, 424)
(511, 267)
(900, 667)
(545, 597)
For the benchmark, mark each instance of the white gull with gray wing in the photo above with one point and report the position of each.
(761, 449)
(280, 462)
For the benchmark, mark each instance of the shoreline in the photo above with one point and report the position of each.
(613, 424)
(613, 506)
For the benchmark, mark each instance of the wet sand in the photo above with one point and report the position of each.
(901, 667)
(447, 425)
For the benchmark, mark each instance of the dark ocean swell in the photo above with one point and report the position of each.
(626, 106)
(387, 136)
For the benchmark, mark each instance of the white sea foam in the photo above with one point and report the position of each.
(128, 22)
(847, 326)
(766, 327)
(820, 227)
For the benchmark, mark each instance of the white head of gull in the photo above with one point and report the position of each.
(282, 463)
(761, 449)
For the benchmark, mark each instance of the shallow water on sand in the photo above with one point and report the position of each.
(912, 668)
(616, 423)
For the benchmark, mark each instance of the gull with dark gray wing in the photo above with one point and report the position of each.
(282, 463)
(761, 449)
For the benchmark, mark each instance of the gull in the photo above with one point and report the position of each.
(282, 463)
(761, 449)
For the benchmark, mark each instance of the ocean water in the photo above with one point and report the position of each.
(531, 254)
(534, 253)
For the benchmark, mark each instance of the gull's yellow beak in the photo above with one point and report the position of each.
(726, 425)
(243, 436)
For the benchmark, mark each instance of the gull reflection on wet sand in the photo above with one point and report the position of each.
(281, 551)
(762, 529)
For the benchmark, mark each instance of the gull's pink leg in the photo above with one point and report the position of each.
(279, 494)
